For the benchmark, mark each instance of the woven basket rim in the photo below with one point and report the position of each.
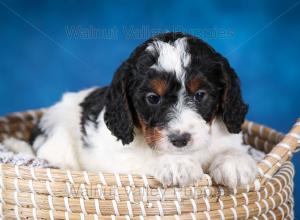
(276, 193)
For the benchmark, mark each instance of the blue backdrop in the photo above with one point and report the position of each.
(49, 47)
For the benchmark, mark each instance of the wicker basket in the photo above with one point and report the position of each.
(36, 193)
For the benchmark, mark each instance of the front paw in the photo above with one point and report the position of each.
(178, 172)
(233, 169)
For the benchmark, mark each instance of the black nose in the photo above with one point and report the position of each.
(180, 140)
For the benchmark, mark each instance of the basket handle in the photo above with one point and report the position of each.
(281, 153)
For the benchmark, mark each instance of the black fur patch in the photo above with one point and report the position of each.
(35, 132)
(92, 105)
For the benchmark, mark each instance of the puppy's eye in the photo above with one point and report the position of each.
(200, 95)
(152, 98)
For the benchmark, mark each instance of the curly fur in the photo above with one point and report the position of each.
(234, 109)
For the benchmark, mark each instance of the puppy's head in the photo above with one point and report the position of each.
(172, 87)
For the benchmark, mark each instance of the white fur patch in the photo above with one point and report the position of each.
(233, 168)
(62, 125)
(173, 57)
(182, 172)
(18, 146)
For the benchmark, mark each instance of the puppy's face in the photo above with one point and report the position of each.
(177, 95)
(173, 86)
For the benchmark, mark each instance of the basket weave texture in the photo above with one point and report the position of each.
(44, 193)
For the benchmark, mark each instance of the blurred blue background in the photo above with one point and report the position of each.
(50, 47)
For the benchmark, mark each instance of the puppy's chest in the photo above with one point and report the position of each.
(101, 150)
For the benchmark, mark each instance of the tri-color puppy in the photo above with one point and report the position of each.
(173, 110)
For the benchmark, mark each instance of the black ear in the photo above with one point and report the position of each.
(234, 109)
(118, 115)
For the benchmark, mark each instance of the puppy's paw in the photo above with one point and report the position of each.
(233, 169)
(178, 172)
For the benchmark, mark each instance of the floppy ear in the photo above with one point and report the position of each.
(234, 109)
(118, 116)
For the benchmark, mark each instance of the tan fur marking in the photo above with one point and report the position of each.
(194, 84)
(151, 135)
(159, 86)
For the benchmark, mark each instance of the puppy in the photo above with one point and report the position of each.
(173, 109)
